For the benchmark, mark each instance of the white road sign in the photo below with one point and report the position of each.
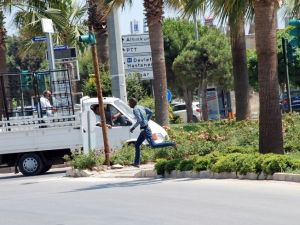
(129, 50)
(137, 55)
(145, 75)
(138, 62)
(136, 38)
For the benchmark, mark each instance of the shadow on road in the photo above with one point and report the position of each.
(8, 176)
(125, 184)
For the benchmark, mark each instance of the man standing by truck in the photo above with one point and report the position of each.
(142, 116)
(47, 109)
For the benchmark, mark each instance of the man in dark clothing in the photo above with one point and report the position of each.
(142, 116)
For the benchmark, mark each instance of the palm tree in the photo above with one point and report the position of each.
(154, 15)
(98, 15)
(233, 12)
(67, 16)
(270, 123)
(3, 65)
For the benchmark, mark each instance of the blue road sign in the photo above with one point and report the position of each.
(60, 47)
(169, 95)
(39, 38)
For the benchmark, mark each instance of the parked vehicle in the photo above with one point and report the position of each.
(180, 110)
(32, 145)
(295, 101)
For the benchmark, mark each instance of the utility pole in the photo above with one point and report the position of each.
(284, 49)
(91, 40)
(118, 81)
(195, 26)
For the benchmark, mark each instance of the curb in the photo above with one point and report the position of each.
(175, 174)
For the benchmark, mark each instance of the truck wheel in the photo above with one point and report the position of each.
(30, 164)
(46, 168)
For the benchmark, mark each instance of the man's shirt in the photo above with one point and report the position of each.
(142, 116)
(45, 105)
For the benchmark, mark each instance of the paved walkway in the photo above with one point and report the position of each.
(146, 170)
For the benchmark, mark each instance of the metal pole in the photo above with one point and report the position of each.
(50, 52)
(51, 60)
(196, 26)
(118, 81)
(101, 105)
(284, 49)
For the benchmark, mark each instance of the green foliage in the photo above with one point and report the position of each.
(171, 165)
(147, 102)
(185, 165)
(160, 166)
(136, 88)
(202, 163)
(85, 161)
(235, 162)
(124, 156)
(294, 65)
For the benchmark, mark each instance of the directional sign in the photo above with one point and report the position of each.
(138, 62)
(169, 96)
(39, 38)
(58, 47)
(133, 39)
(137, 55)
(133, 50)
(145, 75)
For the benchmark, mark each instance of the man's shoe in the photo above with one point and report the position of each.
(135, 165)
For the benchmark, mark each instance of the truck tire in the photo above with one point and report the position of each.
(30, 164)
(46, 168)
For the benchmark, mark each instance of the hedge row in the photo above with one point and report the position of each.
(235, 162)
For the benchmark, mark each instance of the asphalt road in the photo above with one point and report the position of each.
(55, 200)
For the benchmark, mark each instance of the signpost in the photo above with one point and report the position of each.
(39, 38)
(137, 55)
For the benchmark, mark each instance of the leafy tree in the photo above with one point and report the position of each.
(202, 62)
(294, 65)
(177, 34)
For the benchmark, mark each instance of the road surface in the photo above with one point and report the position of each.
(53, 199)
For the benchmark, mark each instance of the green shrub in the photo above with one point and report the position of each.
(248, 163)
(86, 161)
(202, 163)
(185, 165)
(226, 163)
(171, 165)
(170, 153)
(276, 163)
(124, 156)
(160, 166)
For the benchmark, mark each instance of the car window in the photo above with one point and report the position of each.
(179, 107)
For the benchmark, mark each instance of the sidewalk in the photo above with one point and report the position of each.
(146, 170)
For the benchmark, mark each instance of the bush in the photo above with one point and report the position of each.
(277, 163)
(248, 163)
(185, 165)
(124, 156)
(171, 165)
(170, 153)
(160, 166)
(227, 163)
(202, 163)
(86, 161)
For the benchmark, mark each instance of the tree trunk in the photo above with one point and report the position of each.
(99, 23)
(240, 70)
(204, 99)
(188, 98)
(3, 66)
(102, 46)
(154, 13)
(270, 123)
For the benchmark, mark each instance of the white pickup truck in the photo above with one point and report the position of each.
(33, 145)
